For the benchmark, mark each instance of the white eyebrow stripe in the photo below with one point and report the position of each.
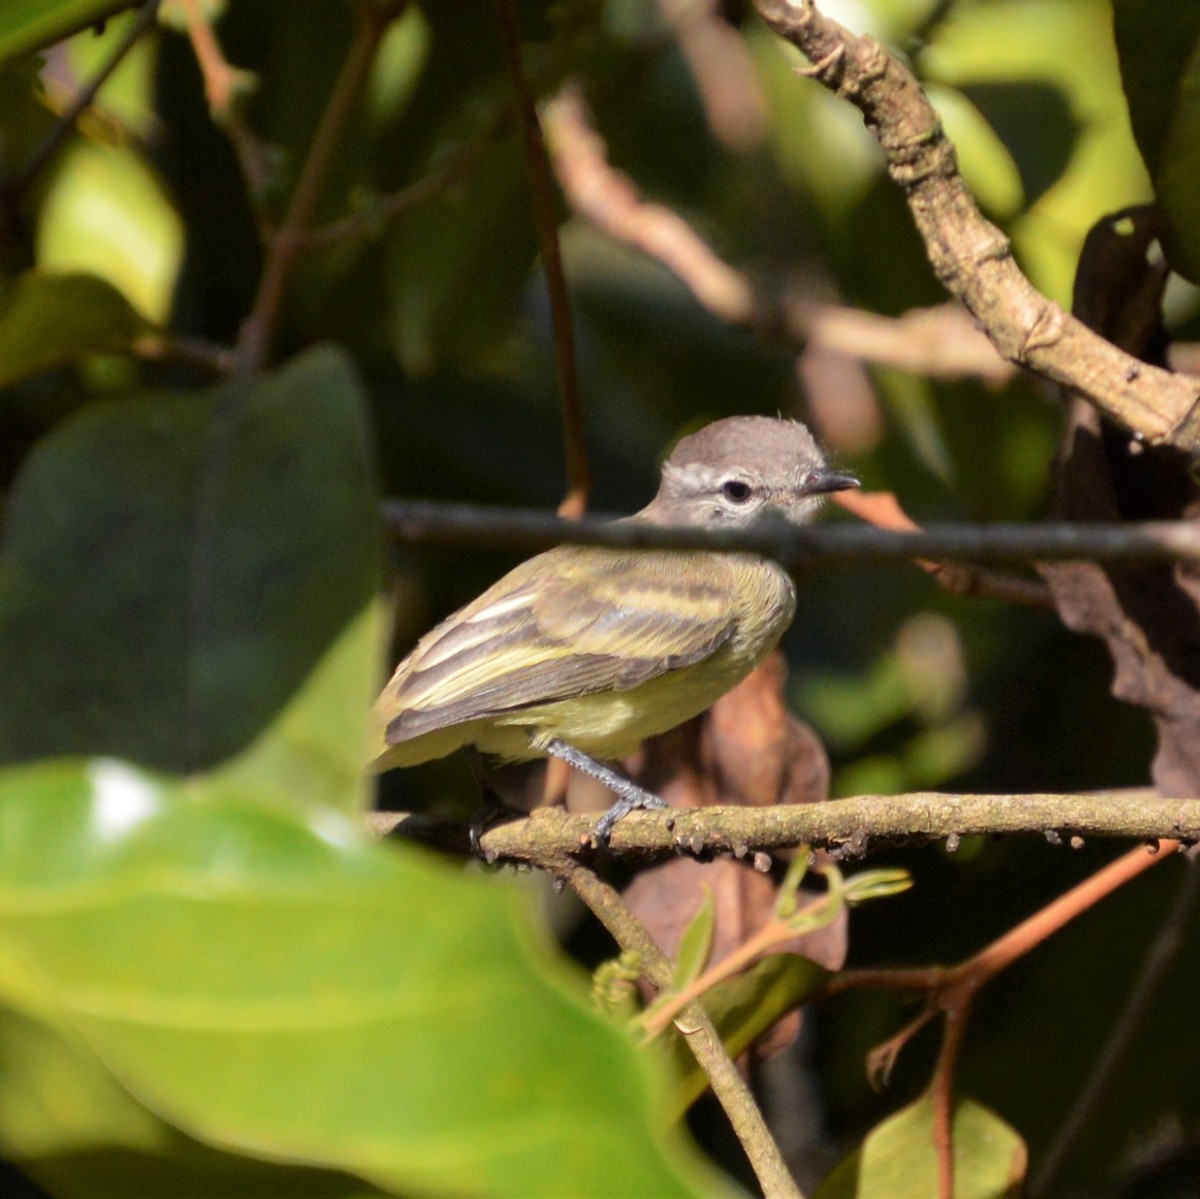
(699, 476)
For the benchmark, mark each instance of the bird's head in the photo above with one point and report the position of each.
(744, 468)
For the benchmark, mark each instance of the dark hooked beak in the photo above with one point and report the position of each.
(824, 481)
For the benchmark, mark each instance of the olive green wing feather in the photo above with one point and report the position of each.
(563, 625)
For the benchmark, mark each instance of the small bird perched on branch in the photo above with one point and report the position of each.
(583, 652)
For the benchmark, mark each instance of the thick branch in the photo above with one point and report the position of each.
(852, 825)
(420, 521)
(970, 255)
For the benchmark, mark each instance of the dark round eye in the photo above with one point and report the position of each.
(735, 490)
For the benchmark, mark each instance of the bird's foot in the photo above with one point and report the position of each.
(626, 804)
(630, 795)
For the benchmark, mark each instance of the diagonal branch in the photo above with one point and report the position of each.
(372, 19)
(698, 1030)
(970, 255)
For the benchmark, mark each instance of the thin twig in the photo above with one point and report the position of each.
(882, 509)
(54, 138)
(420, 522)
(1159, 958)
(192, 351)
(940, 342)
(942, 1092)
(775, 932)
(953, 989)
(697, 1028)
(970, 255)
(860, 824)
(372, 19)
(452, 169)
(541, 186)
(223, 87)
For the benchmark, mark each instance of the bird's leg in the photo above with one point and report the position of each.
(629, 794)
(492, 807)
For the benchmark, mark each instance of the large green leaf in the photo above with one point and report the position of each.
(81, 1135)
(47, 320)
(1158, 43)
(897, 1160)
(175, 568)
(273, 984)
(32, 24)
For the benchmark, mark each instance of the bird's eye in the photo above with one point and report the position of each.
(735, 490)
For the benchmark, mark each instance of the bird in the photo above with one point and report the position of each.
(583, 652)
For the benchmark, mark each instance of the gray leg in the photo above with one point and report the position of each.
(630, 795)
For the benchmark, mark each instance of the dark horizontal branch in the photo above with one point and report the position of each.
(425, 522)
(550, 835)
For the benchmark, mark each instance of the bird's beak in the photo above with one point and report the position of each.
(824, 481)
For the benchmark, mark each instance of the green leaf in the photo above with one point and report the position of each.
(273, 984)
(174, 569)
(27, 25)
(80, 1135)
(1049, 65)
(106, 212)
(696, 942)
(897, 1160)
(1158, 44)
(743, 1008)
(47, 320)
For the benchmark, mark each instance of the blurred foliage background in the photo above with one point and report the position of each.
(445, 317)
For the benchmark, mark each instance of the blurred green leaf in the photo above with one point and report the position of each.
(1089, 165)
(47, 320)
(127, 97)
(743, 1008)
(106, 212)
(458, 265)
(1158, 42)
(898, 1161)
(24, 117)
(27, 25)
(271, 983)
(983, 159)
(174, 568)
(81, 1135)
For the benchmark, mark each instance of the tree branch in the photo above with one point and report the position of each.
(224, 86)
(697, 1028)
(549, 835)
(425, 522)
(970, 255)
(372, 19)
(941, 342)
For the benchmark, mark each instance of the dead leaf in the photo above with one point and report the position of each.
(1148, 615)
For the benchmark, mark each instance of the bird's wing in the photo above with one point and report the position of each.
(546, 633)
